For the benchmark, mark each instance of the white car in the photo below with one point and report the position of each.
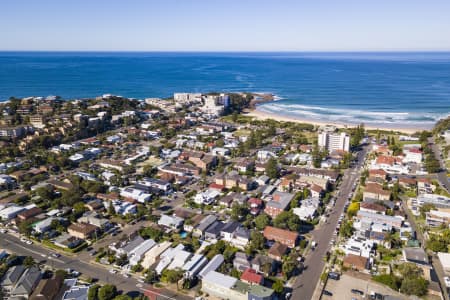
(447, 281)
(29, 242)
(112, 271)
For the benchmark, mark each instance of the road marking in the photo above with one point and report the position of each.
(33, 251)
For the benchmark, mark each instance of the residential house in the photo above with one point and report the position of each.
(372, 207)
(279, 202)
(277, 251)
(153, 255)
(419, 257)
(251, 277)
(48, 289)
(436, 218)
(26, 284)
(285, 237)
(213, 265)
(241, 261)
(263, 264)
(11, 277)
(74, 290)
(376, 191)
(200, 230)
(172, 222)
(356, 262)
(82, 230)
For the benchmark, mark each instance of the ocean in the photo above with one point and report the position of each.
(406, 89)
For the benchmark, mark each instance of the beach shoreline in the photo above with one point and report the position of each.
(261, 115)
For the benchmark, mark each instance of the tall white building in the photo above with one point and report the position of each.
(215, 104)
(334, 141)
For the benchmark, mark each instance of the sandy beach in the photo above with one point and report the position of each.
(264, 116)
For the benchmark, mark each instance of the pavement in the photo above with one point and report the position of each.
(86, 268)
(305, 285)
(342, 288)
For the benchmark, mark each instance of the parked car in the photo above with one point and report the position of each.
(334, 275)
(356, 291)
(327, 293)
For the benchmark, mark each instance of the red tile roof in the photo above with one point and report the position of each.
(251, 277)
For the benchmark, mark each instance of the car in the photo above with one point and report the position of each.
(75, 273)
(3, 230)
(126, 275)
(56, 255)
(356, 291)
(334, 275)
(93, 253)
(28, 242)
(139, 285)
(112, 271)
(327, 293)
(23, 240)
(447, 281)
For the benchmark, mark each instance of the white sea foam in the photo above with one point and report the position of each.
(353, 116)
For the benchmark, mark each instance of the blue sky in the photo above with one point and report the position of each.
(225, 25)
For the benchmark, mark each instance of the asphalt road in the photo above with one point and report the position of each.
(442, 175)
(303, 288)
(40, 254)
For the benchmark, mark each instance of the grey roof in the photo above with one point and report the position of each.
(133, 244)
(215, 228)
(283, 202)
(76, 293)
(230, 227)
(261, 260)
(27, 281)
(206, 222)
(416, 255)
(215, 262)
(12, 275)
(242, 232)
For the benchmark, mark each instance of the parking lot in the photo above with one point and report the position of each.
(342, 289)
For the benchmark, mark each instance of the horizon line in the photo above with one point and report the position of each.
(235, 51)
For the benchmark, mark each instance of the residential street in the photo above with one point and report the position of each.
(306, 283)
(40, 254)
(442, 175)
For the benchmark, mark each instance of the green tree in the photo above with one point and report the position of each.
(414, 286)
(171, 276)
(278, 286)
(346, 229)
(272, 168)
(262, 221)
(288, 266)
(238, 211)
(28, 262)
(123, 297)
(107, 292)
(287, 220)
(257, 240)
(151, 276)
(93, 292)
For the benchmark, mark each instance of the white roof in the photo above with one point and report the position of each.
(445, 259)
(217, 278)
